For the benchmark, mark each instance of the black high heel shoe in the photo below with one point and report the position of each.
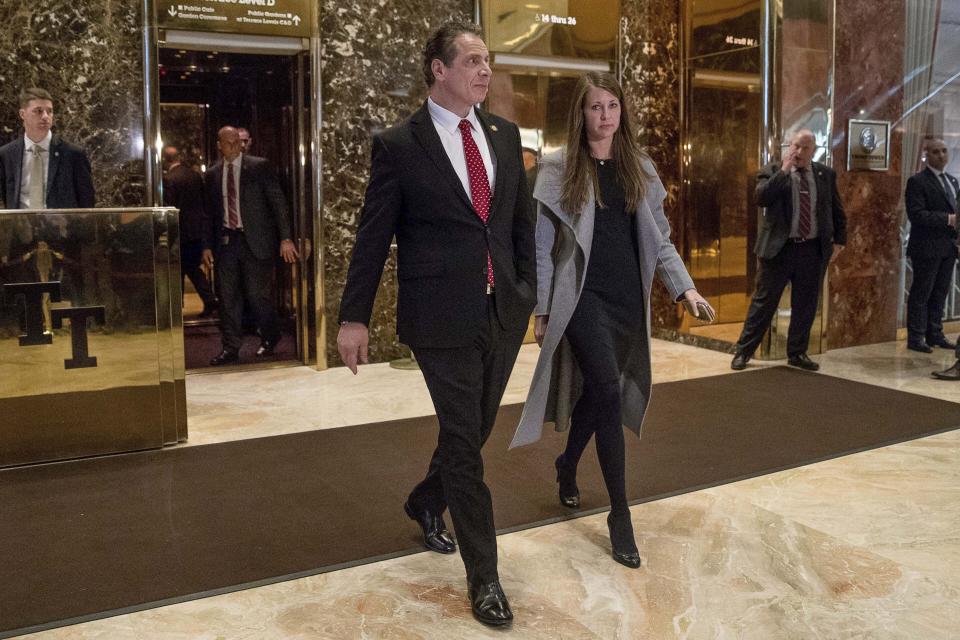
(624, 548)
(569, 493)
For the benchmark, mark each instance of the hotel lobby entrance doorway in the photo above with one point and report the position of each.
(202, 90)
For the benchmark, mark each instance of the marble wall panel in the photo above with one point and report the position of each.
(651, 76)
(88, 54)
(371, 80)
(864, 279)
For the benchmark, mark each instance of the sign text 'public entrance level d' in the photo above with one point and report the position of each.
(262, 17)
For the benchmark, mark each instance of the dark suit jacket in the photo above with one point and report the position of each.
(183, 189)
(415, 194)
(263, 207)
(69, 181)
(927, 209)
(775, 192)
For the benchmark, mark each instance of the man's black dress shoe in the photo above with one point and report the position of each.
(803, 361)
(225, 357)
(953, 373)
(569, 493)
(266, 347)
(208, 311)
(740, 361)
(919, 346)
(489, 604)
(941, 341)
(435, 535)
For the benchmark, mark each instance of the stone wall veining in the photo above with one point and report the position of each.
(864, 279)
(371, 80)
(651, 79)
(88, 55)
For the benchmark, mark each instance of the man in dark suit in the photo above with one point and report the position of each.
(248, 222)
(183, 189)
(39, 170)
(449, 184)
(801, 225)
(931, 200)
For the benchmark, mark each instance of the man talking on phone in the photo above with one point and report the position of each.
(801, 226)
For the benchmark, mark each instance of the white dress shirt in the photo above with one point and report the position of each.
(27, 165)
(447, 124)
(237, 163)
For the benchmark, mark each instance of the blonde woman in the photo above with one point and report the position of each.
(601, 235)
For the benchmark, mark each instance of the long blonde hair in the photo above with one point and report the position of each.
(580, 172)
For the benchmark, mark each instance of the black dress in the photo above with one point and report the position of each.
(605, 329)
(609, 316)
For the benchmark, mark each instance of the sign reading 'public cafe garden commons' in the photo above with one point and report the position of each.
(263, 17)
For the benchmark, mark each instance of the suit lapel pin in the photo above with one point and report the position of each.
(493, 127)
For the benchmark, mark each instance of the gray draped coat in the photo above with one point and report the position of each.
(563, 253)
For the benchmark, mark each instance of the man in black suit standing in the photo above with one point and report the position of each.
(39, 170)
(183, 189)
(248, 222)
(931, 201)
(449, 184)
(801, 226)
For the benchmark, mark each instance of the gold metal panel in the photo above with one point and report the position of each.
(567, 28)
(720, 143)
(87, 379)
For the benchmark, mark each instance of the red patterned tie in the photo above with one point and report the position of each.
(804, 221)
(479, 185)
(233, 218)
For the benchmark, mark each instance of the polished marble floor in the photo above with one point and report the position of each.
(860, 547)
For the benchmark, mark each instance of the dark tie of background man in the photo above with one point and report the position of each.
(948, 189)
(804, 223)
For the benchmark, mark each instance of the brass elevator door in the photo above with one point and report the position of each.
(723, 136)
(201, 91)
(722, 112)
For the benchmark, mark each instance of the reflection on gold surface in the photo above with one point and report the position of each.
(568, 28)
(537, 100)
(102, 376)
(720, 159)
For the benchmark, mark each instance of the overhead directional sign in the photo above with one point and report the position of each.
(264, 17)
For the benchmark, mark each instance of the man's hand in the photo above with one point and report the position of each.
(788, 161)
(952, 220)
(288, 251)
(352, 342)
(837, 248)
(693, 301)
(208, 258)
(540, 328)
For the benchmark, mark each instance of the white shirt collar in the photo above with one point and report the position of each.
(44, 144)
(448, 120)
(236, 162)
(936, 172)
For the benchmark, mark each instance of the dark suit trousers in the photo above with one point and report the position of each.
(191, 255)
(928, 294)
(466, 385)
(801, 265)
(242, 276)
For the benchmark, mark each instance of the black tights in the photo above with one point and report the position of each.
(601, 347)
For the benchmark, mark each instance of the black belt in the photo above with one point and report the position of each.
(227, 231)
(801, 240)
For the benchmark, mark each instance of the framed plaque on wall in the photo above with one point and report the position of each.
(867, 145)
